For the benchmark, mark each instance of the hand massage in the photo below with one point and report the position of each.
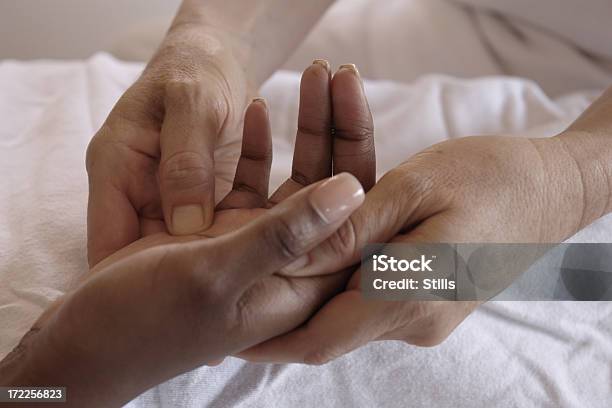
(228, 208)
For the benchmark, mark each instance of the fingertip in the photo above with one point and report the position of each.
(349, 68)
(257, 110)
(321, 66)
(347, 83)
(259, 101)
(318, 74)
(257, 134)
(336, 198)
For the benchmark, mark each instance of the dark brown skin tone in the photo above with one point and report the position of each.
(167, 304)
(496, 188)
(465, 190)
(475, 189)
(499, 189)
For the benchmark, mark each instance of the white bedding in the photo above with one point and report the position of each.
(505, 354)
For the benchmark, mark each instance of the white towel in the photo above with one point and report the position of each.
(536, 352)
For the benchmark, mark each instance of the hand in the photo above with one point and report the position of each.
(318, 154)
(166, 304)
(151, 165)
(164, 309)
(476, 189)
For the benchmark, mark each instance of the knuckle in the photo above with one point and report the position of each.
(291, 240)
(319, 357)
(192, 94)
(431, 328)
(358, 131)
(203, 290)
(299, 177)
(91, 154)
(246, 306)
(402, 177)
(207, 291)
(410, 182)
(312, 125)
(432, 341)
(183, 88)
(209, 294)
(185, 171)
(428, 340)
(414, 311)
(96, 148)
(355, 149)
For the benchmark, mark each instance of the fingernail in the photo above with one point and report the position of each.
(259, 99)
(187, 219)
(354, 70)
(350, 67)
(337, 197)
(323, 63)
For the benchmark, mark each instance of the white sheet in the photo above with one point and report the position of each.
(505, 354)
(536, 352)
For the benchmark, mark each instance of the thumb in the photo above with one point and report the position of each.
(404, 197)
(186, 171)
(287, 232)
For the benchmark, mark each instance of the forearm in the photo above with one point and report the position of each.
(268, 31)
(33, 364)
(93, 379)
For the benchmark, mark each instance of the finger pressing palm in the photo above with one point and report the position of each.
(334, 135)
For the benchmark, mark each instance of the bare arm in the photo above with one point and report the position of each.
(269, 30)
(151, 165)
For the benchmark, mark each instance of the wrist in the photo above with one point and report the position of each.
(591, 157)
(264, 32)
(209, 30)
(588, 143)
(578, 180)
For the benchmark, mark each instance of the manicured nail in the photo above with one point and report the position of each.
(350, 67)
(187, 219)
(323, 63)
(337, 197)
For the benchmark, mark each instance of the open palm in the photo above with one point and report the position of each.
(280, 303)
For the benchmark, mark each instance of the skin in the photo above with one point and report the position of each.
(499, 189)
(475, 189)
(157, 149)
(180, 302)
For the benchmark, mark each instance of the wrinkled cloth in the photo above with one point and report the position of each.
(506, 353)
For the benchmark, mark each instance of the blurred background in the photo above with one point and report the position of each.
(563, 45)
(75, 29)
